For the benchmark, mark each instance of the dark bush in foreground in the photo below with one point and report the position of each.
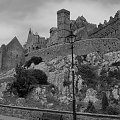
(105, 103)
(112, 110)
(35, 60)
(26, 80)
(90, 108)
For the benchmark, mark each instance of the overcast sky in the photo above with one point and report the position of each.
(17, 16)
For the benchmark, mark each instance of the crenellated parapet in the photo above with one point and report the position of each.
(108, 29)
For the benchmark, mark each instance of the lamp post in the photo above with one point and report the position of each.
(71, 37)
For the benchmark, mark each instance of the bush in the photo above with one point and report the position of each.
(105, 103)
(112, 110)
(26, 80)
(90, 108)
(35, 60)
(39, 75)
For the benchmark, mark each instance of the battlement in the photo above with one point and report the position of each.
(105, 24)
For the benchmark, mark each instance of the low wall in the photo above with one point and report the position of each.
(35, 114)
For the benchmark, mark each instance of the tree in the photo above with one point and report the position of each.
(26, 80)
(105, 103)
(90, 108)
(39, 75)
(35, 60)
(88, 74)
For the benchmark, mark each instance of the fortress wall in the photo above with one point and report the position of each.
(111, 30)
(83, 47)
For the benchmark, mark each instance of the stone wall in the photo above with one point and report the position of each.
(63, 24)
(53, 37)
(110, 29)
(35, 114)
(13, 54)
(100, 45)
(2, 54)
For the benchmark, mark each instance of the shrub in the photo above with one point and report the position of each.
(105, 103)
(26, 80)
(35, 60)
(90, 108)
(112, 110)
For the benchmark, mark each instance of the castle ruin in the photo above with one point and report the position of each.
(82, 29)
(13, 53)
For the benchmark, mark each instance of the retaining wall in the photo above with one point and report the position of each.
(36, 114)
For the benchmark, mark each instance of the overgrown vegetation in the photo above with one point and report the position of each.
(26, 80)
(35, 60)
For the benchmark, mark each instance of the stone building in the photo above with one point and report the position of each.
(34, 42)
(63, 24)
(80, 27)
(83, 29)
(110, 29)
(58, 35)
(53, 40)
(11, 55)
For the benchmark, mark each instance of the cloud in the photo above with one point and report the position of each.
(17, 16)
(6, 33)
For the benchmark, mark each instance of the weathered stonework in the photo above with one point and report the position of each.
(34, 42)
(63, 24)
(81, 27)
(36, 114)
(83, 47)
(53, 40)
(110, 29)
(11, 55)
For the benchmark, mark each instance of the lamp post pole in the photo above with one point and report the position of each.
(74, 104)
(72, 36)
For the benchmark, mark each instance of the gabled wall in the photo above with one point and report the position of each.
(13, 55)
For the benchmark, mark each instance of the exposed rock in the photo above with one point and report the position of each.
(91, 95)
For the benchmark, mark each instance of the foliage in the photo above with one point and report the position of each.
(112, 110)
(35, 60)
(26, 80)
(87, 74)
(90, 108)
(66, 83)
(39, 75)
(105, 103)
(116, 63)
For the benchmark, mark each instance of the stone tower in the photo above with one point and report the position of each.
(2, 53)
(63, 24)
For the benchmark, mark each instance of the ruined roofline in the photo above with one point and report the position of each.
(105, 24)
(35, 34)
(14, 41)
